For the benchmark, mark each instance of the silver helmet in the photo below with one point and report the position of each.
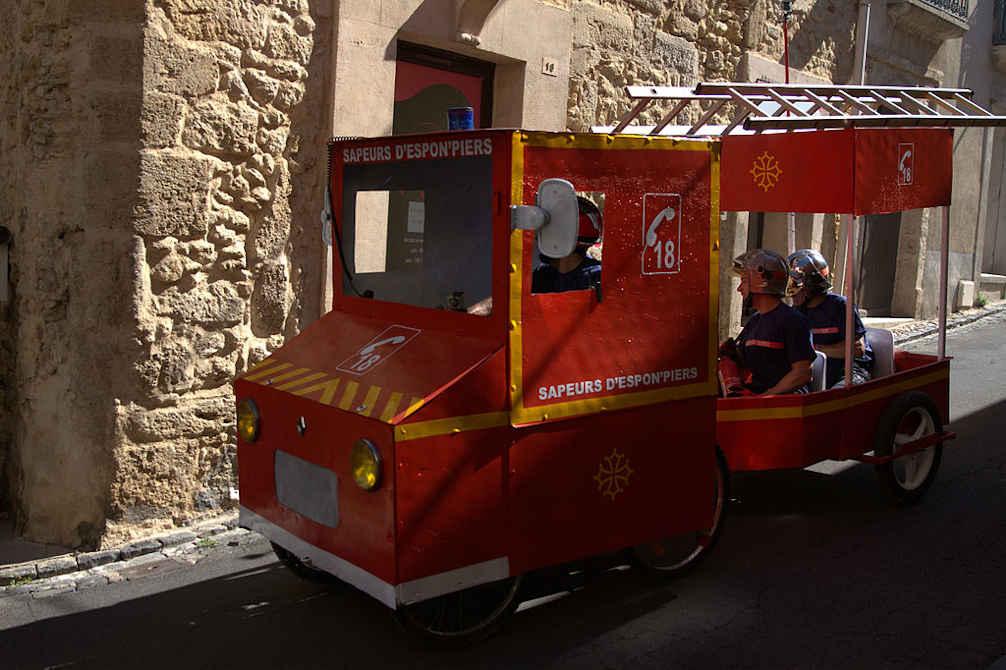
(766, 271)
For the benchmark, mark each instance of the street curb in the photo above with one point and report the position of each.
(75, 571)
(916, 330)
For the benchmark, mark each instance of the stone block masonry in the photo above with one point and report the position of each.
(156, 158)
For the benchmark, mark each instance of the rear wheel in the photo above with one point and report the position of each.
(676, 555)
(464, 616)
(910, 417)
(300, 568)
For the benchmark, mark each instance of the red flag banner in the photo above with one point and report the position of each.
(857, 171)
(902, 169)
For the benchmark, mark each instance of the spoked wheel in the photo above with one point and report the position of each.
(676, 555)
(910, 417)
(464, 616)
(300, 568)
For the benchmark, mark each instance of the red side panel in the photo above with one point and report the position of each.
(649, 330)
(481, 391)
(451, 510)
(788, 172)
(794, 431)
(902, 169)
(607, 481)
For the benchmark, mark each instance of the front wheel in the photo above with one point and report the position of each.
(676, 555)
(464, 616)
(910, 417)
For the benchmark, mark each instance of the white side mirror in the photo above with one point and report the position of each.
(556, 218)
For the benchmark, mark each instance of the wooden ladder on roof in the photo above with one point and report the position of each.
(759, 107)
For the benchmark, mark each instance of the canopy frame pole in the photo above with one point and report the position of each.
(790, 232)
(850, 288)
(944, 266)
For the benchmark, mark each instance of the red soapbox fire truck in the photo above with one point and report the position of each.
(444, 430)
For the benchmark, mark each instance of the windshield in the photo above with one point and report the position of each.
(420, 232)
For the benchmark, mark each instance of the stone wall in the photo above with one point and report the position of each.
(69, 86)
(229, 258)
(680, 42)
(9, 53)
(163, 212)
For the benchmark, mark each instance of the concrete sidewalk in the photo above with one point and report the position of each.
(16, 550)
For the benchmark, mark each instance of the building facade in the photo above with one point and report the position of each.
(162, 166)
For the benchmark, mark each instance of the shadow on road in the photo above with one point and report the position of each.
(813, 571)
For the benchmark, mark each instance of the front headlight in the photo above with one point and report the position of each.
(248, 420)
(365, 464)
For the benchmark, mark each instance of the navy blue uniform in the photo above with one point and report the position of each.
(547, 279)
(771, 343)
(827, 325)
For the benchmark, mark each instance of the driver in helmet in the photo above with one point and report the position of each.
(576, 271)
(775, 346)
(810, 289)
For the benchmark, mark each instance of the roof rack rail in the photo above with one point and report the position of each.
(785, 107)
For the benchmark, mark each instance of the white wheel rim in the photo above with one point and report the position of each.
(912, 470)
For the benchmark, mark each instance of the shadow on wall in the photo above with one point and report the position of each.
(309, 122)
(75, 140)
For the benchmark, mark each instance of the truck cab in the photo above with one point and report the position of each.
(444, 428)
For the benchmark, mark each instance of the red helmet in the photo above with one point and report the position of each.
(590, 223)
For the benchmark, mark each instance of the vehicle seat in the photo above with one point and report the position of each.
(882, 343)
(818, 372)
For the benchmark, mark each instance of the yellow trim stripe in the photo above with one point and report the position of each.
(262, 364)
(454, 424)
(391, 409)
(516, 277)
(610, 403)
(289, 375)
(303, 380)
(347, 397)
(714, 264)
(613, 142)
(370, 400)
(415, 403)
(327, 388)
(262, 373)
(803, 411)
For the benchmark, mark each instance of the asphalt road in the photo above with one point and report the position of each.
(813, 571)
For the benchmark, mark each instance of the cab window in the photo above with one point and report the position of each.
(420, 233)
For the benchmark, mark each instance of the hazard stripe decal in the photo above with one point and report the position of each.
(346, 394)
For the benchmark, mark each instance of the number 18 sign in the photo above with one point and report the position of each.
(661, 233)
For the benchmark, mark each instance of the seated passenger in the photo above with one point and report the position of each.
(576, 271)
(775, 346)
(810, 284)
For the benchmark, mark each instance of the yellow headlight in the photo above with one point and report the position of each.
(365, 464)
(248, 420)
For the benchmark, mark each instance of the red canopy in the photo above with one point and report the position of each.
(850, 171)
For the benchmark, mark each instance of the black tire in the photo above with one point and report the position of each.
(674, 556)
(463, 617)
(300, 568)
(909, 417)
